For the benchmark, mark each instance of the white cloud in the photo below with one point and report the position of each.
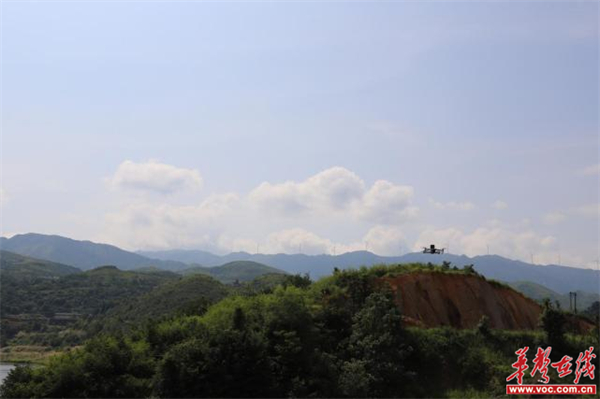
(459, 206)
(298, 241)
(387, 203)
(589, 210)
(441, 238)
(337, 190)
(303, 216)
(552, 218)
(222, 223)
(592, 170)
(499, 204)
(333, 189)
(150, 226)
(382, 240)
(153, 176)
(501, 239)
(386, 240)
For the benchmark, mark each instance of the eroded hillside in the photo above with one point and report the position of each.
(460, 300)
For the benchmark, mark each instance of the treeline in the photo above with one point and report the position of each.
(341, 336)
(42, 311)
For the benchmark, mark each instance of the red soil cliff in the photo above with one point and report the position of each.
(459, 300)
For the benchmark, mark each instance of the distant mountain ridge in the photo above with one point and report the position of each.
(561, 279)
(87, 255)
(84, 255)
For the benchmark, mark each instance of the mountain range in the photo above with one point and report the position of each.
(84, 255)
(561, 279)
(87, 255)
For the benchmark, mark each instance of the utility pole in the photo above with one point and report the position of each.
(573, 302)
(570, 300)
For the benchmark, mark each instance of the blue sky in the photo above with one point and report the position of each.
(304, 126)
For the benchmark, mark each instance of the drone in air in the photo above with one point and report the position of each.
(433, 250)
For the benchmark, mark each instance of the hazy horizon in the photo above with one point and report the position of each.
(149, 253)
(304, 127)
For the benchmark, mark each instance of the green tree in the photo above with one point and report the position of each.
(553, 323)
(229, 364)
(19, 383)
(483, 327)
(377, 350)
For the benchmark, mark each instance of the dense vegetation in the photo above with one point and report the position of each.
(40, 308)
(21, 267)
(51, 305)
(191, 294)
(341, 336)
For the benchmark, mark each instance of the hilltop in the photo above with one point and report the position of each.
(460, 301)
(240, 271)
(441, 296)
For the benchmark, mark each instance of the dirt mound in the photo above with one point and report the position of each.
(458, 300)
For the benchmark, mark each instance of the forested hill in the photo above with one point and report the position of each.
(24, 267)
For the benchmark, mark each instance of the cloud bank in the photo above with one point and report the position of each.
(331, 212)
(154, 177)
(275, 217)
